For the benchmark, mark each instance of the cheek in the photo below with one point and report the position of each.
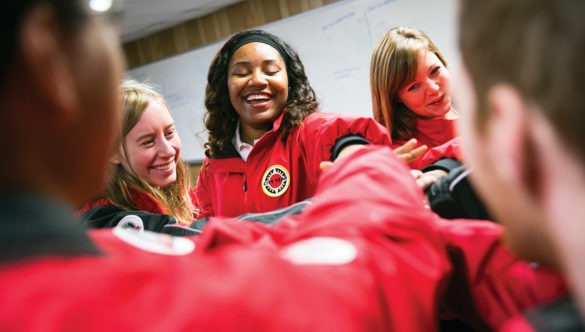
(284, 84)
(280, 84)
(411, 100)
(234, 91)
(284, 95)
(176, 144)
(446, 81)
(139, 160)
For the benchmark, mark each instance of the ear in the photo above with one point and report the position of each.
(509, 141)
(44, 55)
(116, 158)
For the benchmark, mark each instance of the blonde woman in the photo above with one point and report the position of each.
(148, 174)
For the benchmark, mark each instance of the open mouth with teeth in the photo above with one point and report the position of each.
(257, 98)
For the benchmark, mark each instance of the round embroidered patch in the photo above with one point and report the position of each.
(131, 221)
(275, 181)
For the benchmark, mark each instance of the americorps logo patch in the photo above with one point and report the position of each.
(275, 181)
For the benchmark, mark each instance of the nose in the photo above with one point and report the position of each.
(257, 78)
(165, 149)
(432, 87)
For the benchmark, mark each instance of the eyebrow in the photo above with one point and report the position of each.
(264, 62)
(434, 64)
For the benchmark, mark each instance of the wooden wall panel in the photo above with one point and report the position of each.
(208, 29)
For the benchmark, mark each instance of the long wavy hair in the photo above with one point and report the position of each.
(393, 65)
(221, 118)
(174, 198)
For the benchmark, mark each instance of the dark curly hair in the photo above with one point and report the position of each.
(221, 118)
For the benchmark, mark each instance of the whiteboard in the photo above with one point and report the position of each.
(334, 43)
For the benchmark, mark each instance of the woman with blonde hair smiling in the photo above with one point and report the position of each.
(147, 172)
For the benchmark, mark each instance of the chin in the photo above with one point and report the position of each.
(167, 182)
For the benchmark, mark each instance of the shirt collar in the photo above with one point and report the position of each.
(242, 147)
(237, 139)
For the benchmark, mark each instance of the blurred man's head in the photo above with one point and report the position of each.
(59, 100)
(522, 92)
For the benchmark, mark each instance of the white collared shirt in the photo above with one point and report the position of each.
(243, 148)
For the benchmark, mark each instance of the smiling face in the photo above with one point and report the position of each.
(152, 147)
(429, 94)
(258, 87)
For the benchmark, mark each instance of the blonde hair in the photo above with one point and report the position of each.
(174, 198)
(393, 65)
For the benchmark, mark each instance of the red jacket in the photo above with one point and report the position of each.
(440, 136)
(102, 212)
(365, 255)
(143, 201)
(278, 174)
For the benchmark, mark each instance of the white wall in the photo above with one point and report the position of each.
(334, 42)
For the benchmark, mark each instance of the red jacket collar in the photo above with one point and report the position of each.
(143, 201)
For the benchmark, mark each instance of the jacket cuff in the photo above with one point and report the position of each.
(445, 164)
(344, 141)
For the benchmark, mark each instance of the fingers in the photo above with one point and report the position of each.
(425, 180)
(416, 174)
(406, 147)
(412, 155)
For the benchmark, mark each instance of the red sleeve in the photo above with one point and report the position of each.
(391, 284)
(321, 130)
(501, 285)
(450, 149)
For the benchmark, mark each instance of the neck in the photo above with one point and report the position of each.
(249, 134)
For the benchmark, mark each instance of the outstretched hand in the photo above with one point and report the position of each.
(408, 152)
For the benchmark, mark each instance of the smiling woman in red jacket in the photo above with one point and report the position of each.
(148, 174)
(266, 135)
(410, 87)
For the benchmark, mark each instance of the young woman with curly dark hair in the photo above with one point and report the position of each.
(266, 135)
